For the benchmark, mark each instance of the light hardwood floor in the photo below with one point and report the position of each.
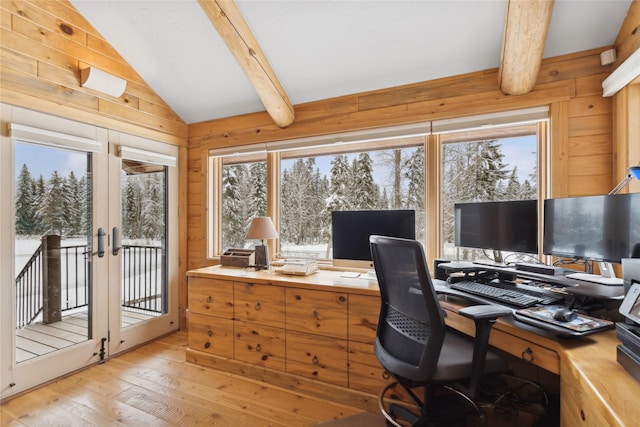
(154, 386)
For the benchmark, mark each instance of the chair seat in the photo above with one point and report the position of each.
(456, 356)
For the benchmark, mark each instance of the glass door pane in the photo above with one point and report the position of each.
(144, 230)
(53, 221)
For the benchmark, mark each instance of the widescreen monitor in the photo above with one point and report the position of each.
(510, 226)
(350, 232)
(598, 228)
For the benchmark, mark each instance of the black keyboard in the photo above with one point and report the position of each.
(547, 298)
(512, 296)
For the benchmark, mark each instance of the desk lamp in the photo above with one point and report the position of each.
(634, 172)
(262, 228)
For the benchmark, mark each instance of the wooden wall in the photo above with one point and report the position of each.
(581, 126)
(44, 46)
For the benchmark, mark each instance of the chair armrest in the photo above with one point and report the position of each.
(486, 311)
(484, 316)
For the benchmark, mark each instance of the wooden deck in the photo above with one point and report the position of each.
(38, 339)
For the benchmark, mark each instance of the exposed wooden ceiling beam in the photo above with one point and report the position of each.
(235, 32)
(525, 31)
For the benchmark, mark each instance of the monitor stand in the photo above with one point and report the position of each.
(497, 257)
(370, 275)
(607, 276)
(606, 270)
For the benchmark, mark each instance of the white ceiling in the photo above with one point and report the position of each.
(326, 48)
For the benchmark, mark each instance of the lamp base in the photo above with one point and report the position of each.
(262, 257)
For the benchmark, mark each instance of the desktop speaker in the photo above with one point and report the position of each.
(439, 272)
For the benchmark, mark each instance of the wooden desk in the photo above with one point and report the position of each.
(321, 328)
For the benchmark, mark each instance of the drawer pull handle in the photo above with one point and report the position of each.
(314, 360)
(258, 306)
(209, 299)
(527, 355)
(207, 344)
(209, 332)
(341, 298)
(298, 297)
(258, 347)
(386, 375)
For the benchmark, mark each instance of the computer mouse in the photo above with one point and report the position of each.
(564, 314)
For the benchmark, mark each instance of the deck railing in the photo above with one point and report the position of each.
(142, 280)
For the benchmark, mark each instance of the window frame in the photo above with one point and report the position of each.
(435, 134)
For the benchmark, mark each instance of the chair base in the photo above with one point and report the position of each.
(445, 411)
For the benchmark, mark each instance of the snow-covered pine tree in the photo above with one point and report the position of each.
(237, 210)
(364, 190)
(53, 206)
(340, 186)
(26, 204)
(153, 214)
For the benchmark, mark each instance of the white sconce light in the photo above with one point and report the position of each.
(102, 81)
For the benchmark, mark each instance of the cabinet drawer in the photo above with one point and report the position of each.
(317, 357)
(317, 312)
(211, 296)
(365, 372)
(262, 304)
(364, 311)
(211, 334)
(526, 350)
(260, 345)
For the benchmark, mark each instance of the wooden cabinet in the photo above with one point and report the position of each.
(315, 332)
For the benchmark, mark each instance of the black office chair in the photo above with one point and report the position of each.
(415, 346)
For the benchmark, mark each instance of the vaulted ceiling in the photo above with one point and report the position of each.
(322, 49)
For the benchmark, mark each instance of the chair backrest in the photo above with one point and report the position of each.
(411, 325)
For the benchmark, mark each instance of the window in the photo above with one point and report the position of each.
(484, 166)
(358, 176)
(300, 182)
(244, 195)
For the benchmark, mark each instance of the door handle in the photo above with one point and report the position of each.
(101, 234)
(116, 240)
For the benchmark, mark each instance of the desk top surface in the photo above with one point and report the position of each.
(329, 279)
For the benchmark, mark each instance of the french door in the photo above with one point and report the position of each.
(143, 256)
(87, 245)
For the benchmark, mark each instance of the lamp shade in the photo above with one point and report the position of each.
(262, 228)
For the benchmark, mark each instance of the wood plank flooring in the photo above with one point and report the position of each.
(153, 385)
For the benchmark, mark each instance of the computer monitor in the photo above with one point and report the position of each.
(350, 232)
(499, 226)
(597, 228)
